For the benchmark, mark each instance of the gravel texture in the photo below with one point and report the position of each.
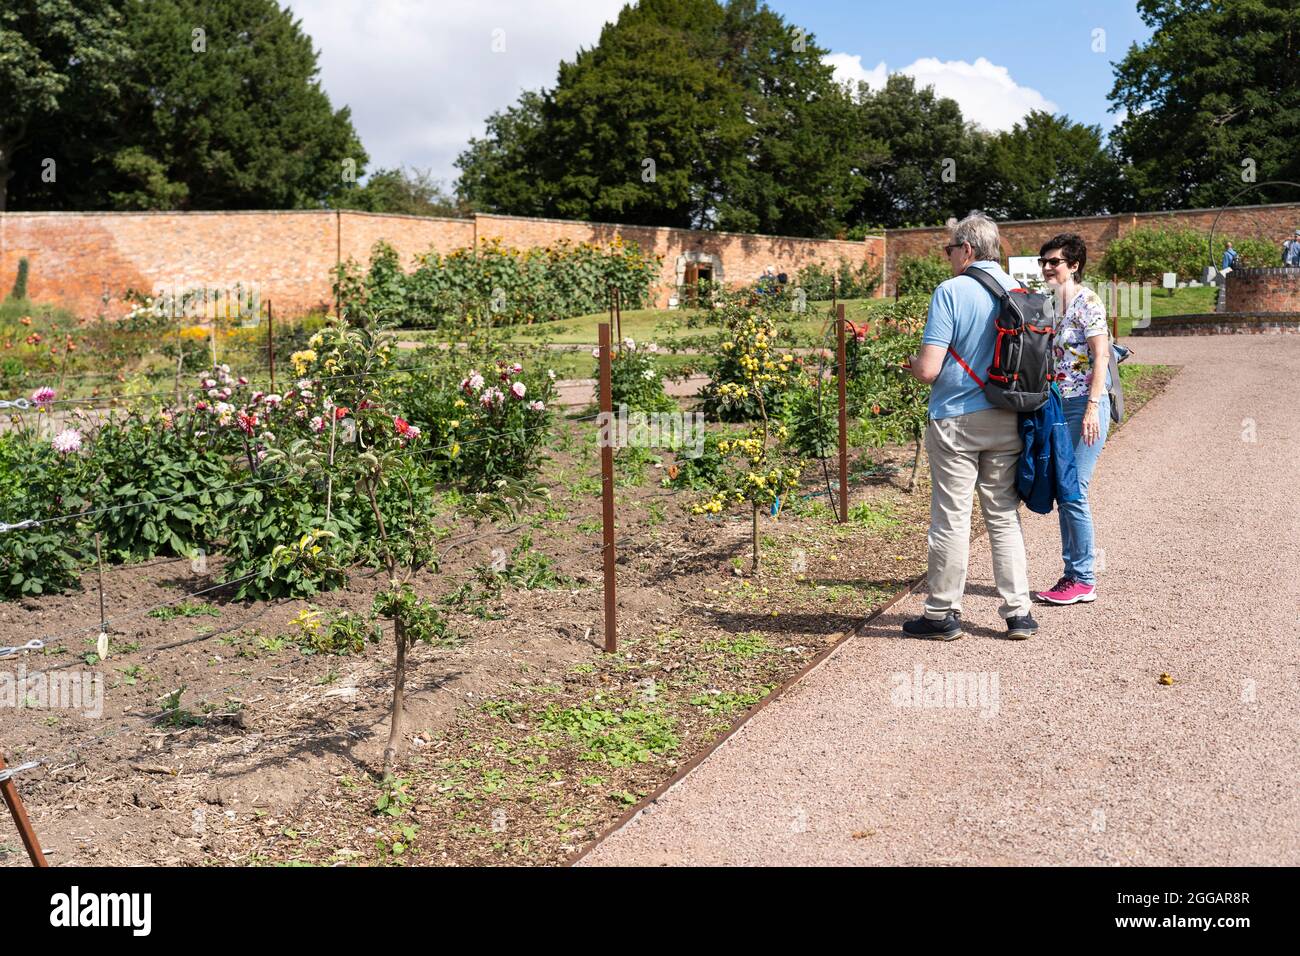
(1083, 756)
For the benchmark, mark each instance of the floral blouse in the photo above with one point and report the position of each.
(1085, 317)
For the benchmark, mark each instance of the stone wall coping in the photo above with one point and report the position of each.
(693, 232)
(1111, 216)
(1211, 318)
(1264, 271)
(158, 213)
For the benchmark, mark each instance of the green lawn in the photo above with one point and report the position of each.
(662, 326)
(665, 326)
(1181, 302)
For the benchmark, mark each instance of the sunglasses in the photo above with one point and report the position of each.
(1053, 262)
(947, 250)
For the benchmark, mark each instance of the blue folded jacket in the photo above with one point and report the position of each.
(1046, 472)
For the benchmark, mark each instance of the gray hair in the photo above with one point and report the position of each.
(982, 234)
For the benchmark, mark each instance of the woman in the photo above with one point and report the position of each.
(1081, 348)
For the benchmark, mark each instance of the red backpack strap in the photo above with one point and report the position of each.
(953, 352)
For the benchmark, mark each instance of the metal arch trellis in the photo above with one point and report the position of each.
(1232, 203)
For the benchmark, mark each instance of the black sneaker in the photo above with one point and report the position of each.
(947, 628)
(1021, 628)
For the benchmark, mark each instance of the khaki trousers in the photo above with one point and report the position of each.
(979, 451)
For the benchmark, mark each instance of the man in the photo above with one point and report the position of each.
(1291, 250)
(972, 445)
(1229, 261)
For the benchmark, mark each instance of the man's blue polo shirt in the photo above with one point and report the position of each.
(962, 314)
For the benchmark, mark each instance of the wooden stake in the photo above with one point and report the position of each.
(180, 362)
(24, 825)
(844, 414)
(214, 328)
(1114, 309)
(99, 561)
(329, 474)
(270, 341)
(607, 486)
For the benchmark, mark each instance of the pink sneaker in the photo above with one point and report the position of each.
(1069, 591)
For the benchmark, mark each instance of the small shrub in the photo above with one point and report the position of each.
(920, 275)
(635, 380)
(1144, 255)
(19, 291)
(845, 281)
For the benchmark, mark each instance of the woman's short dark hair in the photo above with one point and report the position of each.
(1072, 247)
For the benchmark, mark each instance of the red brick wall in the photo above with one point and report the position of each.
(78, 258)
(744, 256)
(1263, 290)
(1025, 237)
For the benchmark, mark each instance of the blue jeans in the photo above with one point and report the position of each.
(1076, 517)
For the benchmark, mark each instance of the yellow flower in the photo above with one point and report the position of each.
(302, 359)
(454, 423)
(455, 449)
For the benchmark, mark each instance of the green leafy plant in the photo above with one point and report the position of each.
(893, 406)
(617, 734)
(1144, 255)
(920, 275)
(185, 609)
(761, 469)
(497, 283)
(845, 280)
(634, 379)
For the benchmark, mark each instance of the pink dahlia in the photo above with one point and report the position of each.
(44, 395)
(67, 441)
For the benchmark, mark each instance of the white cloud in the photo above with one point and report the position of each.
(849, 69)
(985, 91)
(422, 77)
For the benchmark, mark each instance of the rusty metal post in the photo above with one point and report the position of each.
(844, 413)
(1114, 307)
(24, 825)
(270, 341)
(607, 486)
(99, 563)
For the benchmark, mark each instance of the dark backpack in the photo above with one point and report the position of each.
(1020, 378)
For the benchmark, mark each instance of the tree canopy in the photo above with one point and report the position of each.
(198, 104)
(713, 114)
(1210, 103)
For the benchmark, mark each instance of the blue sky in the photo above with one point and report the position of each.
(422, 76)
(1046, 47)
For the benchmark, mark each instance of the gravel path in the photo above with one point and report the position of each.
(1088, 759)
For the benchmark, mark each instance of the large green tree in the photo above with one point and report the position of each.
(220, 107)
(502, 171)
(917, 160)
(1048, 166)
(643, 127)
(57, 58)
(742, 121)
(1217, 86)
(794, 175)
